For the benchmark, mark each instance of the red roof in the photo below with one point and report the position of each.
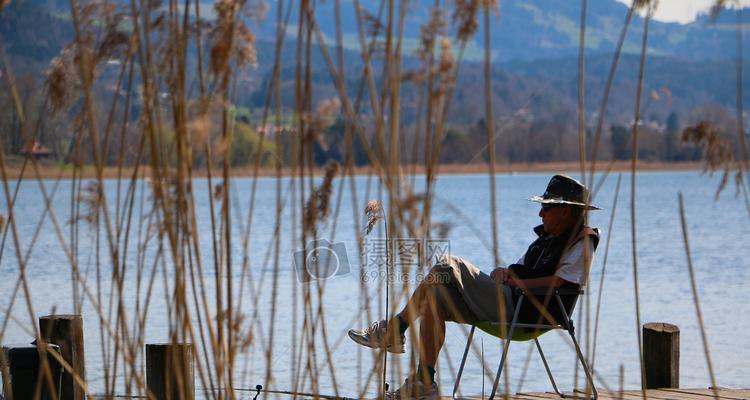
(35, 149)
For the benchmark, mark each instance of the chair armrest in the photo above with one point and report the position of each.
(545, 291)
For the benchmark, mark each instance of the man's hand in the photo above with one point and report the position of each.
(500, 275)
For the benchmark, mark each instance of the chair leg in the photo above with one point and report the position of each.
(571, 331)
(506, 347)
(546, 366)
(586, 370)
(463, 361)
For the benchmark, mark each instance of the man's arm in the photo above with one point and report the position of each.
(501, 274)
(505, 276)
(571, 270)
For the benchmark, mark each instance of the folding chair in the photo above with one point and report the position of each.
(519, 331)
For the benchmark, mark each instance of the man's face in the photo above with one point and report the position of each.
(556, 218)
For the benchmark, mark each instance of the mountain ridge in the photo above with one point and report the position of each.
(520, 29)
(542, 29)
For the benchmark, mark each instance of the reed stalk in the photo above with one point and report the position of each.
(696, 301)
(634, 160)
(600, 290)
(148, 240)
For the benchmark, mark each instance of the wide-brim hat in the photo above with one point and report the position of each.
(563, 189)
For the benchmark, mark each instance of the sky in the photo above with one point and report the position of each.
(682, 11)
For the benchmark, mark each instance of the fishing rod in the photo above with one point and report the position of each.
(259, 389)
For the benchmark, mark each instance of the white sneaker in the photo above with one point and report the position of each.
(416, 390)
(375, 336)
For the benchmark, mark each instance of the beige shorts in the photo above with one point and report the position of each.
(465, 294)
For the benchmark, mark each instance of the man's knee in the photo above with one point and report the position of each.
(445, 267)
(447, 261)
(443, 302)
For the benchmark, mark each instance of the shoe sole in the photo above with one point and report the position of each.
(362, 341)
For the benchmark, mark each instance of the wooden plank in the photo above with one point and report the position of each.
(741, 393)
(658, 394)
(630, 395)
(517, 396)
(724, 394)
(705, 394)
(666, 394)
(655, 394)
(615, 395)
(536, 396)
(627, 395)
(608, 395)
(679, 394)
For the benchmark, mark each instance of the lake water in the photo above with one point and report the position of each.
(718, 232)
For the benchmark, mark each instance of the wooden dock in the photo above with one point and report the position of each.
(656, 394)
(651, 394)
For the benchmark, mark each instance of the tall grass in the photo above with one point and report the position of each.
(152, 225)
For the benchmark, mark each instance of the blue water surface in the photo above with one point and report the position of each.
(717, 230)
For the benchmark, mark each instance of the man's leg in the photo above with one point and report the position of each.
(435, 289)
(433, 303)
(390, 334)
(413, 308)
(431, 337)
(436, 300)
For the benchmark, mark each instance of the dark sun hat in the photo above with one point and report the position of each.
(563, 189)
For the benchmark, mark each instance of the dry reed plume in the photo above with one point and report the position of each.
(162, 239)
(318, 206)
(465, 17)
(718, 152)
(63, 76)
(434, 28)
(91, 201)
(231, 38)
(373, 213)
(324, 116)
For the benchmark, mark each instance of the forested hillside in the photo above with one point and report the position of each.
(690, 76)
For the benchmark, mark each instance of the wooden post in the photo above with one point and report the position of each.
(66, 331)
(661, 355)
(169, 371)
(22, 377)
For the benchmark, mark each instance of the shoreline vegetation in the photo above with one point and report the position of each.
(134, 90)
(50, 171)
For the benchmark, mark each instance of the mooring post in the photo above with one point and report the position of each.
(66, 331)
(169, 371)
(661, 355)
(22, 373)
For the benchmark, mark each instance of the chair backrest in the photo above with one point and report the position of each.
(569, 292)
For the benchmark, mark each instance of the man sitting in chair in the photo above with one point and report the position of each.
(455, 290)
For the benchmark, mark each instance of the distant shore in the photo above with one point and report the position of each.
(50, 171)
